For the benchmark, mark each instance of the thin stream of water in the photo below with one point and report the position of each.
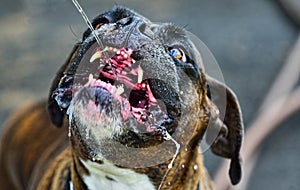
(70, 114)
(89, 24)
(170, 165)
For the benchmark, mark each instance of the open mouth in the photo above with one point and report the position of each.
(114, 76)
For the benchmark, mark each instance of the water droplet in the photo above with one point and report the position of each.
(70, 114)
(183, 166)
(87, 132)
(195, 167)
(169, 137)
(169, 183)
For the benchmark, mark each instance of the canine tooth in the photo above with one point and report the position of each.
(96, 55)
(133, 61)
(140, 74)
(120, 90)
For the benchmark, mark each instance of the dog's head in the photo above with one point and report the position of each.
(138, 84)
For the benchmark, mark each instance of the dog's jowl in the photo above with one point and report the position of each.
(127, 113)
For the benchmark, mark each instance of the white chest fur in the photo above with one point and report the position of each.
(108, 176)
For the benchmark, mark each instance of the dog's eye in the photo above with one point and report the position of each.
(178, 54)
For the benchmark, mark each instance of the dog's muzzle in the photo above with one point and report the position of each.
(115, 83)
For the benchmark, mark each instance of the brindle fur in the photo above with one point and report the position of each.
(37, 155)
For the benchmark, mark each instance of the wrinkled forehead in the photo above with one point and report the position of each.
(122, 27)
(148, 42)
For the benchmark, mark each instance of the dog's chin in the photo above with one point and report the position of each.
(91, 114)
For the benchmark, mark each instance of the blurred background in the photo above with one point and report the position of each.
(251, 41)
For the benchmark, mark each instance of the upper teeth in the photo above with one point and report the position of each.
(98, 53)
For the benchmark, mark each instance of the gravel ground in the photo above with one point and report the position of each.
(250, 41)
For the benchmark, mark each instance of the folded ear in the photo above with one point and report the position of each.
(227, 126)
(56, 113)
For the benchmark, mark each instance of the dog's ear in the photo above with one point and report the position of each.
(225, 131)
(56, 113)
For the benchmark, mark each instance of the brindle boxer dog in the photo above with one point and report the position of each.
(137, 106)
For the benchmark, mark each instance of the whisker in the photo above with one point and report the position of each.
(77, 38)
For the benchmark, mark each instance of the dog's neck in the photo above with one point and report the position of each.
(185, 173)
(108, 176)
